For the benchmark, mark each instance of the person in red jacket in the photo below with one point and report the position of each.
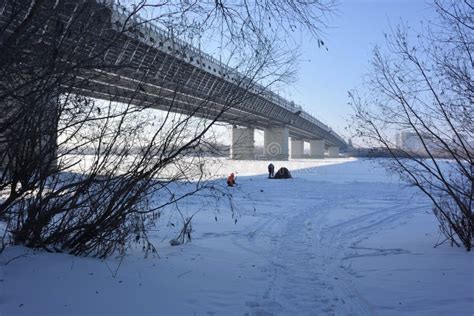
(231, 180)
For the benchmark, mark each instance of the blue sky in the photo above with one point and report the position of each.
(324, 77)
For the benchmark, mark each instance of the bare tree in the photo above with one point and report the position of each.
(87, 163)
(423, 87)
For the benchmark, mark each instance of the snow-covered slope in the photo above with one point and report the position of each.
(341, 238)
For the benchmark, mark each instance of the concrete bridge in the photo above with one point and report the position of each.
(169, 74)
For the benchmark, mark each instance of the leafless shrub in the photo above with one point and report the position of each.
(86, 166)
(426, 90)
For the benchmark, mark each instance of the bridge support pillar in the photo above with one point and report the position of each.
(242, 146)
(333, 152)
(297, 148)
(28, 138)
(275, 142)
(316, 148)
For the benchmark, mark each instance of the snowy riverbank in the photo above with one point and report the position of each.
(340, 238)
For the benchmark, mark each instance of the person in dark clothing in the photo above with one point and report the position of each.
(231, 180)
(271, 171)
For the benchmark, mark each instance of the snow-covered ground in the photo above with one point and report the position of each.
(340, 238)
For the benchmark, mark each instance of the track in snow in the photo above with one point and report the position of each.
(308, 264)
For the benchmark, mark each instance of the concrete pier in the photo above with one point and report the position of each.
(275, 142)
(333, 152)
(28, 137)
(297, 148)
(242, 143)
(316, 149)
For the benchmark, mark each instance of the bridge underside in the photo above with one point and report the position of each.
(237, 107)
(111, 87)
(165, 76)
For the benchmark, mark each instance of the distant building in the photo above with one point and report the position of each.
(413, 143)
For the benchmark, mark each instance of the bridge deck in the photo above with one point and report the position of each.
(144, 65)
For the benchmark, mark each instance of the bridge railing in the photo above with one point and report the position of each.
(123, 19)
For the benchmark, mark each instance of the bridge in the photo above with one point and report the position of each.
(167, 73)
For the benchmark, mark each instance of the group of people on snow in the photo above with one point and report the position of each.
(283, 173)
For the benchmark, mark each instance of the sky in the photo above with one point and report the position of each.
(325, 76)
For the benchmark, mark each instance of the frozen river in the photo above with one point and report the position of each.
(340, 238)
